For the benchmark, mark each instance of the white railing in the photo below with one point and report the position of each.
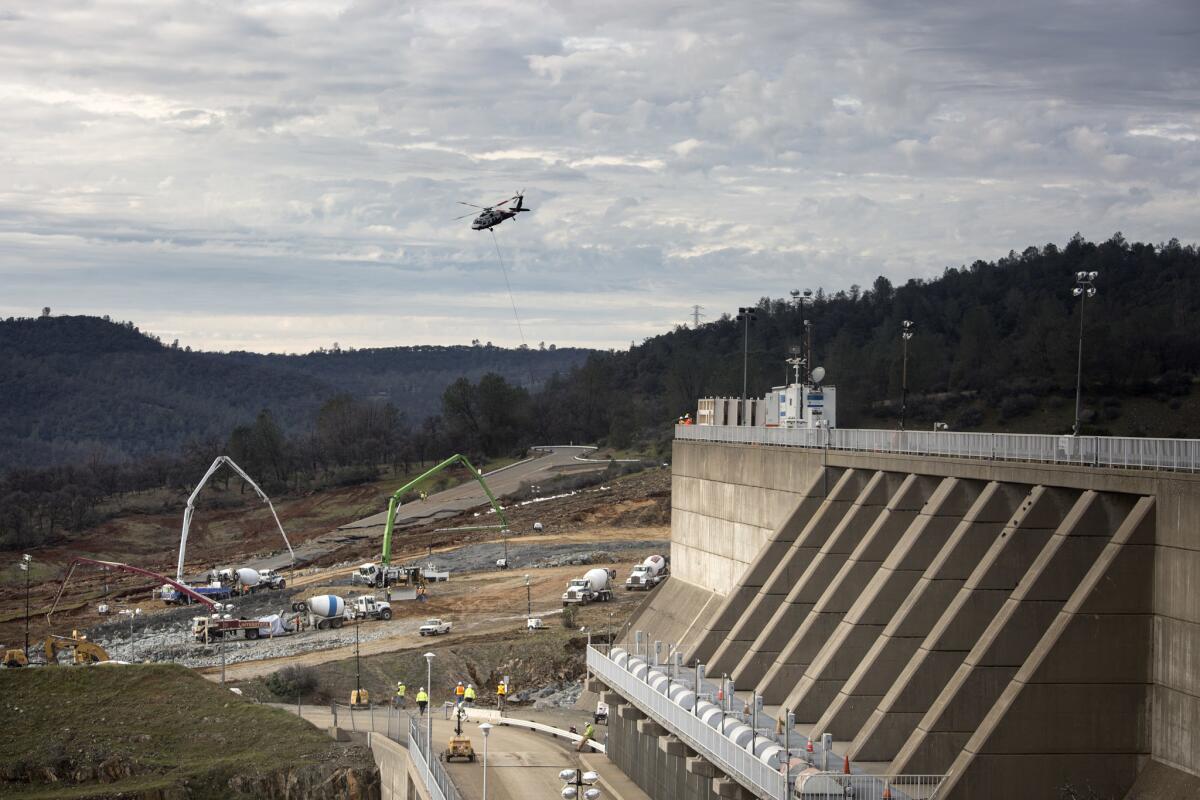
(837, 786)
(431, 772)
(1089, 451)
(739, 764)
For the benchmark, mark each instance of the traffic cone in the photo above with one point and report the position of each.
(887, 793)
(809, 748)
(846, 765)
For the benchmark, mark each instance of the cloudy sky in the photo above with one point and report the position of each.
(277, 176)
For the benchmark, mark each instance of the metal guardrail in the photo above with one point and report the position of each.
(838, 786)
(1125, 452)
(741, 765)
(432, 774)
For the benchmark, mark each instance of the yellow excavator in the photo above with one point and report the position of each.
(15, 658)
(82, 651)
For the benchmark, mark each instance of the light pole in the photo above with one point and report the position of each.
(228, 609)
(429, 707)
(485, 729)
(802, 299)
(25, 563)
(1085, 287)
(131, 613)
(576, 780)
(528, 598)
(746, 315)
(357, 673)
(906, 333)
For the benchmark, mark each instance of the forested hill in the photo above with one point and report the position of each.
(78, 389)
(994, 349)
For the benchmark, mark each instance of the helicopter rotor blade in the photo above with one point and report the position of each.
(464, 216)
(472, 205)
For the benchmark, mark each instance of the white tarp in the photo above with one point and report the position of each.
(271, 626)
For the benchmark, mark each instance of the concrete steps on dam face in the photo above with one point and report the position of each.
(760, 662)
(912, 620)
(816, 518)
(960, 625)
(1011, 635)
(745, 604)
(877, 601)
(852, 579)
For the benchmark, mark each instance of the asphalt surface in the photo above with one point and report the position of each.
(547, 461)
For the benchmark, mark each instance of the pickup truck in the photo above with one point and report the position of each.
(433, 627)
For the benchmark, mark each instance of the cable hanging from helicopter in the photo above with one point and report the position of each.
(488, 218)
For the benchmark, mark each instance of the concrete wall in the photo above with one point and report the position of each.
(727, 503)
(749, 524)
(394, 779)
(658, 773)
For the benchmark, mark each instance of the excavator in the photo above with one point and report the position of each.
(82, 651)
(383, 574)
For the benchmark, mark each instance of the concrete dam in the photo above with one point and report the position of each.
(949, 626)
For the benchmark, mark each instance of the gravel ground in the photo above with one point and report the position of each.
(483, 556)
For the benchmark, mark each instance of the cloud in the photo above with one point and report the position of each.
(281, 175)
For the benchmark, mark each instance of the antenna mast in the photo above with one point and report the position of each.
(696, 315)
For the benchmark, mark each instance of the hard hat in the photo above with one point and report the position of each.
(460, 683)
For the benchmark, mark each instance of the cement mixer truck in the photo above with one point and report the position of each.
(324, 611)
(648, 574)
(595, 586)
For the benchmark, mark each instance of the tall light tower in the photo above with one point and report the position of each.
(906, 333)
(528, 598)
(802, 299)
(746, 315)
(1085, 287)
(25, 563)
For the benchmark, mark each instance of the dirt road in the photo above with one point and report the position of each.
(467, 495)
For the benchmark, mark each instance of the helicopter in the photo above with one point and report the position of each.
(491, 216)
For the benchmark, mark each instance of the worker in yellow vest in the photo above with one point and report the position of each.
(501, 693)
(401, 689)
(422, 700)
(469, 695)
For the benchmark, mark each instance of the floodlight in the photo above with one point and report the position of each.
(568, 793)
(590, 777)
(591, 794)
(567, 775)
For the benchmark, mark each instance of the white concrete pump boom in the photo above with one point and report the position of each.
(191, 508)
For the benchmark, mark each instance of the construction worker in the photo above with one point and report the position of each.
(501, 693)
(469, 695)
(422, 700)
(400, 691)
(589, 731)
(459, 691)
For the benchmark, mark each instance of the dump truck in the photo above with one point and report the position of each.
(648, 574)
(595, 586)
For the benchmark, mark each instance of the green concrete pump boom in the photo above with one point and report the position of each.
(394, 502)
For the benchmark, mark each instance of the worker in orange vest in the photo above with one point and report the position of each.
(459, 691)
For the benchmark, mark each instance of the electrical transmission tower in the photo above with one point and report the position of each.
(696, 315)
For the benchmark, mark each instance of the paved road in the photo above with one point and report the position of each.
(547, 461)
(521, 764)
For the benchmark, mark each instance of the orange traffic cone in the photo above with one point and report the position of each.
(887, 793)
(845, 765)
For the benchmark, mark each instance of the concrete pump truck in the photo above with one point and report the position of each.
(383, 573)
